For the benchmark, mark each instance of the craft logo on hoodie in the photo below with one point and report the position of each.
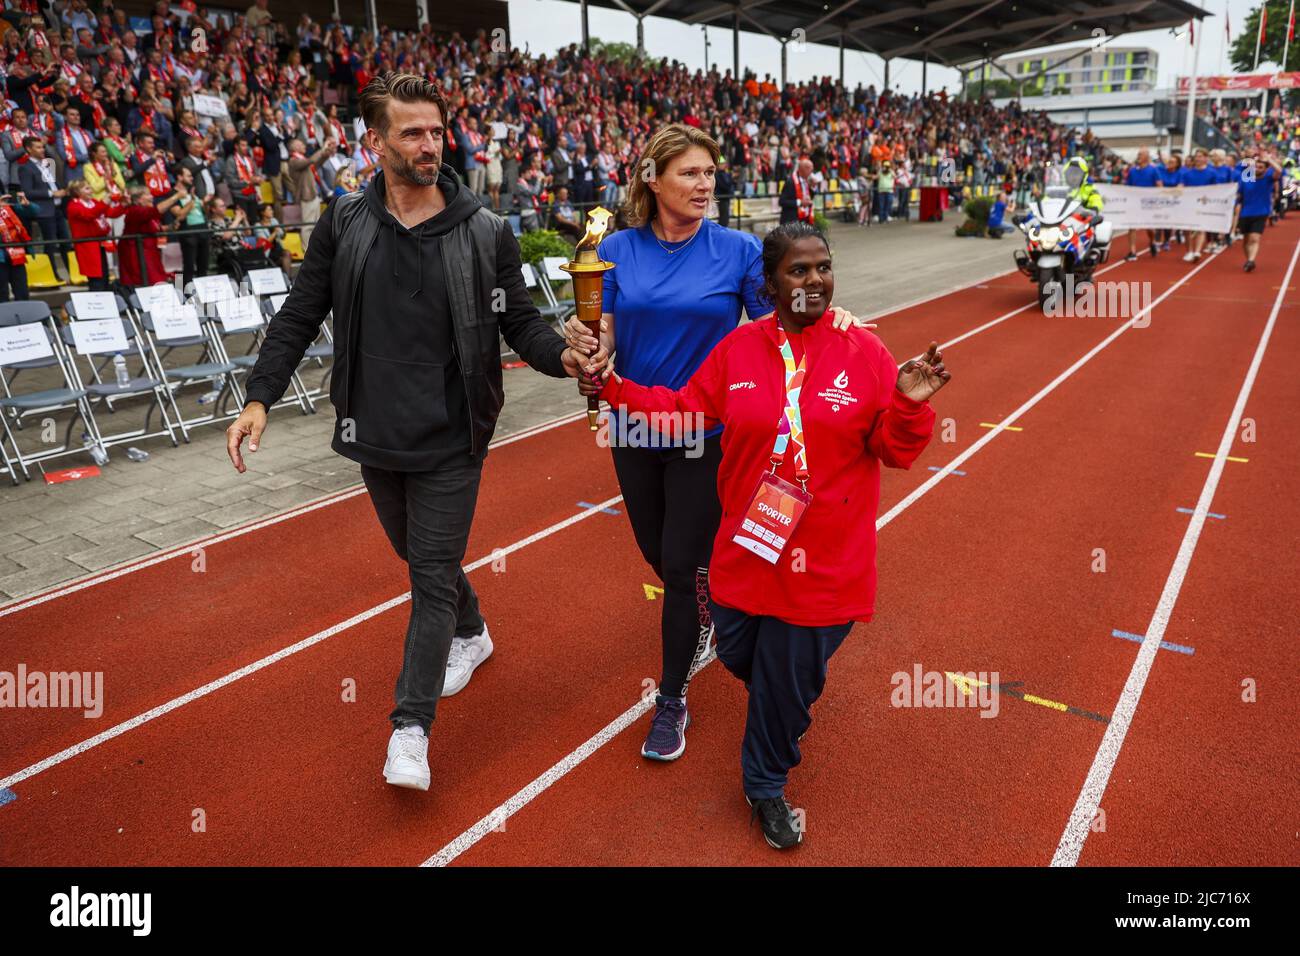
(839, 394)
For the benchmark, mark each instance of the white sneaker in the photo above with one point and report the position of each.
(1190, 257)
(408, 759)
(466, 654)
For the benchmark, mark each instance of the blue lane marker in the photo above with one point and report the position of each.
(7, 796)
(953, 472)
(1189, 511)
(589, 506)
(1165, 645)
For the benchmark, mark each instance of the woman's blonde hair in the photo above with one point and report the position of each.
(665, 145)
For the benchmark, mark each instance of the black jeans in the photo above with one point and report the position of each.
(427, 517)
(672, 502)
(15, 277)
(195, 252)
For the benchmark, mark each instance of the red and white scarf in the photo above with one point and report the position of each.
(12, 230)
(115, 194)
(155, 174)
(246, 173)
(67, 140)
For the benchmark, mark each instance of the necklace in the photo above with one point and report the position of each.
(683, 245)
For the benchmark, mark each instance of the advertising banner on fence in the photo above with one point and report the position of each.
(1202, 208)
(1251, 81)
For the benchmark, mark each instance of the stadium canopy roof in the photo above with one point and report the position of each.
(949, 32)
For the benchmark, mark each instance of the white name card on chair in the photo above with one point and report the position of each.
(95, 305)
(211, 289)
(162, 297)
(24, 343)
(239, 315)
(99, 336)
(175, 322)
(553, 270)
(267, 281)
(278, 301)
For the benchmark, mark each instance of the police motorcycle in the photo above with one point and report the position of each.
(1065, 240)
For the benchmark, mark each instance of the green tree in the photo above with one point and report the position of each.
(993, 89)
(618, 52)
(1270, 51)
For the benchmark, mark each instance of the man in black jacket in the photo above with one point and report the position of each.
(420, 277)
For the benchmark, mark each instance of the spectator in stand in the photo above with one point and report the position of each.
(269, 229)
(564, 218)
(13, 260)
(142, 217)
(88, 219)
(796, 200)
(42, 179)
(305, 180)
(189, 219)
(243, 178)
(104, 178)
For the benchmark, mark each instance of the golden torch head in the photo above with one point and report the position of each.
(588, 270)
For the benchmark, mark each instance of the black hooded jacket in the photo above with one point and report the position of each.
(417, 319)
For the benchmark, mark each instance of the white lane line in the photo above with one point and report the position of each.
(923, 489)
(99, 577)
(1094, 786)
(526, 796)
(313, 640)
(1002, 318)
(535, 789)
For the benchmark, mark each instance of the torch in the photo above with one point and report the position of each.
(588, 273)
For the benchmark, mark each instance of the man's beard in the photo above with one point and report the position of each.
(412, 173)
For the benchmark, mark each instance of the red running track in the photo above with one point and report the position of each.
(987, 571)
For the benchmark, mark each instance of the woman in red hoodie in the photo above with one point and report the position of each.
(809, 414)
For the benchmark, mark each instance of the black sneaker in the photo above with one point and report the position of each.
(1154, 252)
(1250, 265)
(780, 828)
(1131, 257)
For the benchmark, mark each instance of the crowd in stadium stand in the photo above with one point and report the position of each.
(224, 128)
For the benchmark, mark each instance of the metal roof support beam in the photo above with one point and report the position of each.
(924, 44)
(902, 13)
(640, 20)
(722, 9)
(735, 42)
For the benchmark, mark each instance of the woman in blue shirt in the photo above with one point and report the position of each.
(679, 283)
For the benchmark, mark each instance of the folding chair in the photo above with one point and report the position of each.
(29, 340)
(318, 351)
(244, 319)
(168, 325)
(551, 312)
(101, 305)
(548, 272)
(112, 336)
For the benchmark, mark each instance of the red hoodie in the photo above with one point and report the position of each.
(854, 419)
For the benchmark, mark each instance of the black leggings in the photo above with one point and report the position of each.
(672, 502)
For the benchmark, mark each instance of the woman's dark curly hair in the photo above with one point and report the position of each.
(778, 242)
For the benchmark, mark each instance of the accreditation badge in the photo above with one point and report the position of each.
(773, 514)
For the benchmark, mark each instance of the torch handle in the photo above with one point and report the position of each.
(593, 403)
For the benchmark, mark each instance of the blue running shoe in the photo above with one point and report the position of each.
(667, 737)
